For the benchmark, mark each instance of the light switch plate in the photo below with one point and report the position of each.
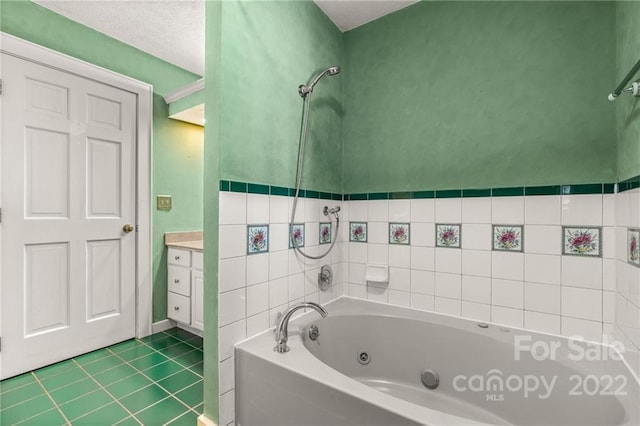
(164, 202)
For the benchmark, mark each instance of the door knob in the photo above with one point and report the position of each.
(127, 228)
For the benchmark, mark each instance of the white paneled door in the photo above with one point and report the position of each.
(68, 196)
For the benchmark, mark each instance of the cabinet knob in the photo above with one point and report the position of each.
(176, 308)
(177, 257)
(176, 281)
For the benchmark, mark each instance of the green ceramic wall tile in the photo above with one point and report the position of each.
(399, 195)
(256, 188)
(476, 193)
(378, 196)
(596, 188)
(301, 193)
(449, 193)
(357, 197)
(312, 194)
(543, 190)
(225, 185)
(279, 190)
(609, 188)
(423, 194)
(507, 192)
(238, 186)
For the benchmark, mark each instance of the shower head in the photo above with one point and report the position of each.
(304, 90)
(333, 70)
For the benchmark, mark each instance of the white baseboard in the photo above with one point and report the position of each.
(163, 325)
(205, 421)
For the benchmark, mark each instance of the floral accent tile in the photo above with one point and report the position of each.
(633, 246)
(297, 235)
(325, 233)
(581, 241)
(258, 239)
(358, 232)
(448, 235)
(399, 233)
(507, 237)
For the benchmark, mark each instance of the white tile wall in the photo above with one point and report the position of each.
(254, 288)
(626, 303)
(538, 289)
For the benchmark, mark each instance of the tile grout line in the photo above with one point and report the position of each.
(153, 381)
(108, 393)
(161, 353)
(55, 404)
(110, 352)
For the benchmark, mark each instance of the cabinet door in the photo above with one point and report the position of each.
(197, 289)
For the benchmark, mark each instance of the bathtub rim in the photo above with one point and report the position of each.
(300, 361)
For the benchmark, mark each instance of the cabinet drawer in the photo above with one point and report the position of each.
(179, 257)
(179, 308)
(197, 260)
(179, 280)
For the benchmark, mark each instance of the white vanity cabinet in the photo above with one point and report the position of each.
(185, 286)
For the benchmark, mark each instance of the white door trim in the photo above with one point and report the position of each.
(35, 53)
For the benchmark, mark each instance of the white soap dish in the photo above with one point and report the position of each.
(377, 273)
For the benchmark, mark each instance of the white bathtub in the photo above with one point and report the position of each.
(323, 383)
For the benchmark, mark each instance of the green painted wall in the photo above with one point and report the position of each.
(627, 107)
(187, 102)
(480, 94)
(177, 146)
(269, 49)
(213, 96)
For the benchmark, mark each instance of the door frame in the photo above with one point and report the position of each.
(144, 107)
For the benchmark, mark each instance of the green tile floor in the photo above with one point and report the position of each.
(152, 381)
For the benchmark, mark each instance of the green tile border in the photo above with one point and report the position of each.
(423, 194)
(592, 188)
(516, 191)
(543, 190)
(469, 193)
(507, 192)
(256, 188)
(378, 196)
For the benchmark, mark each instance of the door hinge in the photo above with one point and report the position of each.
(0, 215)
(0, 86)
(0, 344)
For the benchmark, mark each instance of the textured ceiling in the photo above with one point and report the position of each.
(349, 14)
(173, 30)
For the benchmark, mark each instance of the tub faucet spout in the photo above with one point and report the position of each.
(282, 333)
